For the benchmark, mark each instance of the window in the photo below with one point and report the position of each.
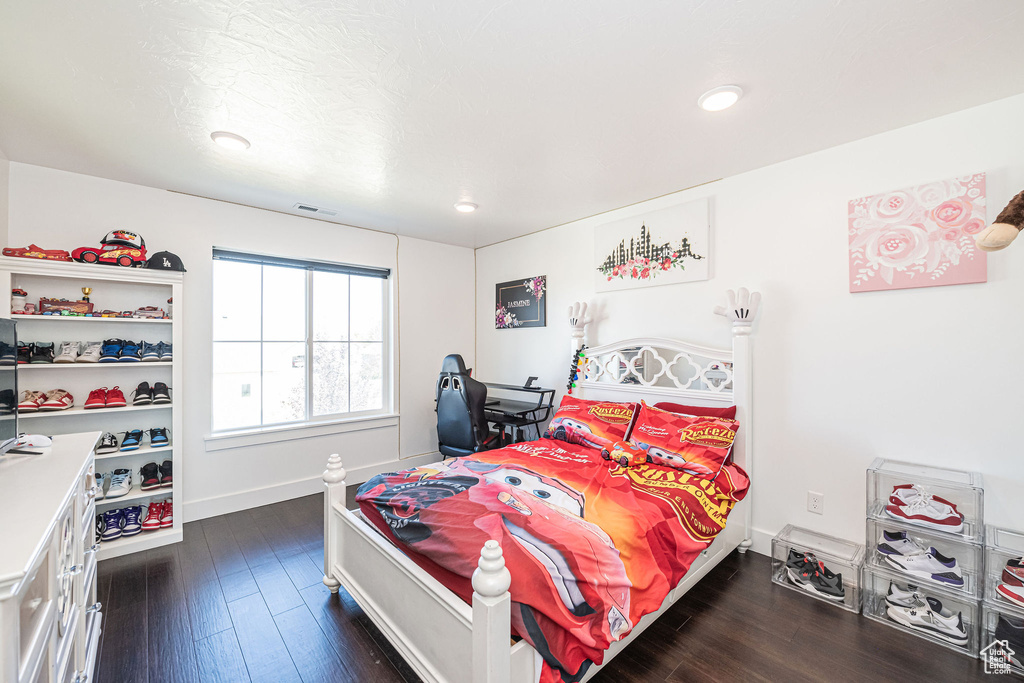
(297, 341)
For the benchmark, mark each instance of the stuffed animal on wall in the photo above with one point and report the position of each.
(1007, 226)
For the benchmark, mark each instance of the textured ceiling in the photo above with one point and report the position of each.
(389, 111)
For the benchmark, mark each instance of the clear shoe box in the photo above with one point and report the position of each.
(875, 586)
(962, 489)
(1002, 622)
(839, 556)
(1001, 545)
(969, 556)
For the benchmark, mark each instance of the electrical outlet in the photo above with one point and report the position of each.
(816, 502)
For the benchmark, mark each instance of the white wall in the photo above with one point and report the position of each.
(5, 173)
(57, 209)
(930, 375)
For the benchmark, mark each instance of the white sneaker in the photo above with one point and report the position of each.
(68, 352)
(908, 597)
(897, 543)
(931, 566)
(101, 479)
(91, 353)
(120, 483)
(933, 619)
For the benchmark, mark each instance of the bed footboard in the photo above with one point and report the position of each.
(439, 635)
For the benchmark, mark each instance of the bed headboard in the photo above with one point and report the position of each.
(656, 369)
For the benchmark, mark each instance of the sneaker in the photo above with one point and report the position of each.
(58, 399)
(158, 437)
(167, 516)
(929, 512)
(115, 398)
(120, 483)
(810, 573)
(143, 395)
(1012, 631)
(166, 480)
(91, 353)
(132, 524)
(930, 565)
(152, 521)
(905, 494)
(933, 619)
(1014, 594)
(101, 479)
(24, 353)
(132, 440)
(130, 353)
(68, 352)
(165, 352)
(108, 442)
(161, 394)
(897, 543)
(1013, 572)
(110, 351)
(109, 526)
(150, 352)
(8, 354)
(899, 597)
(42, 352)
(31, 401)
(150, 476)
(97, 399)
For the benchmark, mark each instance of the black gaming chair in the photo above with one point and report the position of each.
(461, 426)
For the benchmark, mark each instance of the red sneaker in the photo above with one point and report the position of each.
(167, 516)
(115, 399)
(58, 399)
(152, 521)
(97, 399)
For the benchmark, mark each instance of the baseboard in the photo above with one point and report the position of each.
(267, 495)
(762, 541)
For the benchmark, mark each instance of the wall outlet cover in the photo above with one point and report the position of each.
(816, 502)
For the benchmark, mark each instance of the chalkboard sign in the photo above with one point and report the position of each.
(520, 303)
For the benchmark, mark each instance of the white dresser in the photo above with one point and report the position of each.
(49, 617)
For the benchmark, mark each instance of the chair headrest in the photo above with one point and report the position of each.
(454, 363)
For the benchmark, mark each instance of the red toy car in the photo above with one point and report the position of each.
(625, 453)
(120, 247)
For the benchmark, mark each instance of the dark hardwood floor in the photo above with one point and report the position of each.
(240, 599)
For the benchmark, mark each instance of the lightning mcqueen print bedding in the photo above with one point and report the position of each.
(591, 546)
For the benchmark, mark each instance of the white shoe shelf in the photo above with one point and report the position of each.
(119, 289)
(838, 555)
(960, 488)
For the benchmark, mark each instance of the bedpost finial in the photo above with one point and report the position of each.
(741, 309)
(491, 578)
(334, 473)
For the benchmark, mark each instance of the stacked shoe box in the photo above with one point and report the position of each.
(1002, 627)
(924, 557)
(818, 565)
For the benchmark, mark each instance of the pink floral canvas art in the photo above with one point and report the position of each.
(918, 237)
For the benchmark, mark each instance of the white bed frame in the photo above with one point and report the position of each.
(445, 640)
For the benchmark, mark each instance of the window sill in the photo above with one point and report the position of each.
(265, 435)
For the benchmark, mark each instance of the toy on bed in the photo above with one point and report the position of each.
(1006, 227)
(625, 454)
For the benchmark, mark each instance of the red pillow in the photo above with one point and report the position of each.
(696, 444)
(701, 411)
(597, 424)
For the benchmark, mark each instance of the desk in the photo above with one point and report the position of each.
(517, 415)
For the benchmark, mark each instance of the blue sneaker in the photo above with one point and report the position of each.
(150, 352)
(165, 352)
(158, 437)
(130, 352)
(110, 526)
(132, 440)
(111, 350)
(132, 523)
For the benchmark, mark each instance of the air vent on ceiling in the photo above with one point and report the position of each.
(319, 211)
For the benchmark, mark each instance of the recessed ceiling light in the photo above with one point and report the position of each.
(229, 140)
(720, 98)
(465, 207)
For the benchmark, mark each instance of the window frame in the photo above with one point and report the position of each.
(310, 267)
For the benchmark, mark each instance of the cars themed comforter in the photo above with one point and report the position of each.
(591, 546)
